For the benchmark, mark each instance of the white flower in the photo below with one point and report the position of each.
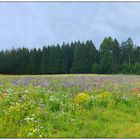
(26, 91)
(29, 119)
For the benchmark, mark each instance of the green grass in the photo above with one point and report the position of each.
(52, 112)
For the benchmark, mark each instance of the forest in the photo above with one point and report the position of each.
(111, 57)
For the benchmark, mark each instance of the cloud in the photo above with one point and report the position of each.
(34, 24)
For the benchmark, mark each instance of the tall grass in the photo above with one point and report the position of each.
(28, 111)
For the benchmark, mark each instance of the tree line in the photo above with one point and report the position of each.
(74, 57)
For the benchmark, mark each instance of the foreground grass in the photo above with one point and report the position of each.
(37, 112)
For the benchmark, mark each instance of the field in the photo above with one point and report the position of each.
(70, 106)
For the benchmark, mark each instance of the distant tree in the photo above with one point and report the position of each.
(84, 57)
(2, 61)
(136, 55)
(34, 63)
(106, 55)
(43, 60)
(74, 57)
(127, 51)
(54, 60)
(22, 61)
(116, 56)
(65, 58)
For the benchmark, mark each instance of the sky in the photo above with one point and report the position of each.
(35, 24)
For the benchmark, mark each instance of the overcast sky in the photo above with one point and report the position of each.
(34, 24)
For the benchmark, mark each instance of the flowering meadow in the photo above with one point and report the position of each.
(70, 106)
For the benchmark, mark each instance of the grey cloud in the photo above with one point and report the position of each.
(36, 24)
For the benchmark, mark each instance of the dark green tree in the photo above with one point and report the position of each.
(84, 57)
(106, 55)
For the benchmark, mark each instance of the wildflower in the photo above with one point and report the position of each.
(18, 135)
(67, 85)
(30, 134)
(26, 91)
(45, 84)
(34, 130)
(124, 98)
(16, 83)
(136, 90)
(29, 119)
(94, 98)
(26, 83)
(104, 94)
(82, 98)
(16, 107)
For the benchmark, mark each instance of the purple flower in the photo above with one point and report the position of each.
(46, 83)
(26, 83)
(16, 83)
(67, 85)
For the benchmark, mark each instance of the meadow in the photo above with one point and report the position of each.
(70, 106)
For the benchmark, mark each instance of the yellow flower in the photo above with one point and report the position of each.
(104, 94)
(81, 98)
(16, 107)
(19, 135)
